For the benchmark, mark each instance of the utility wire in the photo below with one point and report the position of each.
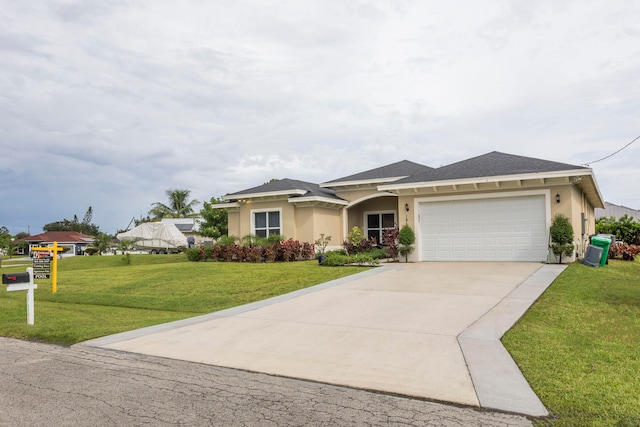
(614, 153)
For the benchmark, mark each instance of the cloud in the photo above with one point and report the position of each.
(110, 103)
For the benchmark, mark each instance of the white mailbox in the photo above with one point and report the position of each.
(22, 282)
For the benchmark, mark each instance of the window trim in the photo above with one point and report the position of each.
(267, 210)
(379, 213)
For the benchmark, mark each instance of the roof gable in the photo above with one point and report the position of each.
(491, 164)
(284, 187)
(386, 173)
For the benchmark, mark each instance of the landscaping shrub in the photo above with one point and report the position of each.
(561, 236)
(253, 249)
(407, 238)
(390, 239)
(624, 251)
(377, 253)
(335, 259)
(625, 229)
(308, 250)
(338, 258)
(357, 243)
(193, 254)
(288, 250)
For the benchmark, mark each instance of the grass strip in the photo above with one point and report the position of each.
(579, 346)
(98, 296)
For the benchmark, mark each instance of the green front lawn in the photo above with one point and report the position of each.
(99, 296)
(579, 346)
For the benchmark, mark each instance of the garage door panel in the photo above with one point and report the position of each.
(498, 229)
(457, 241)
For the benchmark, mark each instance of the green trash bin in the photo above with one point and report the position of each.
(603, 243)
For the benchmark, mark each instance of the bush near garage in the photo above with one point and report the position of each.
(341, 258)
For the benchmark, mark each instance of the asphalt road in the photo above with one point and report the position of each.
(46, 385)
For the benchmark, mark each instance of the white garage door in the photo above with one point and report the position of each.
(494, 229)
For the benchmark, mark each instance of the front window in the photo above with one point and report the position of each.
(266, 223)
(377, 222)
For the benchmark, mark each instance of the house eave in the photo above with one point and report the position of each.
(232, 205)
(364, 183)
(316, 201)
(541, 176)
(265, 195)
(566, 177)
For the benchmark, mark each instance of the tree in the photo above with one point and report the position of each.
(407, 238)
(179, 206)
(561, 236)
(84, 227)
(87, 216)
(5, 237)
(215, 220)
(625, 228)
(101, 243)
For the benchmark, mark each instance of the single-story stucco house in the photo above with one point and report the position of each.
(494, 207)
(74, 242)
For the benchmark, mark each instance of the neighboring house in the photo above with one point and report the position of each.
(74, 241)
(190, 227)
(616, 211)
(494, 207)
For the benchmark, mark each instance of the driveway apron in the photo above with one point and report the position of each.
(426, 330)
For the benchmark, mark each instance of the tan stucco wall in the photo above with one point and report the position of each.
(302, 223)
(572, 205)
(234, 223)
(313, 221)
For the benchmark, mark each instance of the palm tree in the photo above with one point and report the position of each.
(101, 244)
(179, 206)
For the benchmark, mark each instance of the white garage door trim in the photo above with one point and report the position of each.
(537, 254)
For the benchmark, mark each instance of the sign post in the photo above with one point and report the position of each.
(54, 267)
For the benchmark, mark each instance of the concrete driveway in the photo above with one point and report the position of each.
(427, 330)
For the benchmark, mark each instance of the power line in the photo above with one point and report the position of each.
(614, 153)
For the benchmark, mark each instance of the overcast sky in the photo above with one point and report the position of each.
(109, 103)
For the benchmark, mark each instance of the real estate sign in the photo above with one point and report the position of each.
(41, 265)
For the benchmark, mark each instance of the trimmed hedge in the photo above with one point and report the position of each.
(227, 250)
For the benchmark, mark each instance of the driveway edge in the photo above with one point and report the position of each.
(498, 381)
(233, 311)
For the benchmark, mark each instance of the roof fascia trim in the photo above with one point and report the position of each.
(488, 179)
(225, 205)
(318, 199)
(294, 192)
(332, 184)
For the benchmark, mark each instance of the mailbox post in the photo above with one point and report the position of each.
(22, 282)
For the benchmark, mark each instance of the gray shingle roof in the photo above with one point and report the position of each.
(402, 168)
(490, 164)
(287, 184)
